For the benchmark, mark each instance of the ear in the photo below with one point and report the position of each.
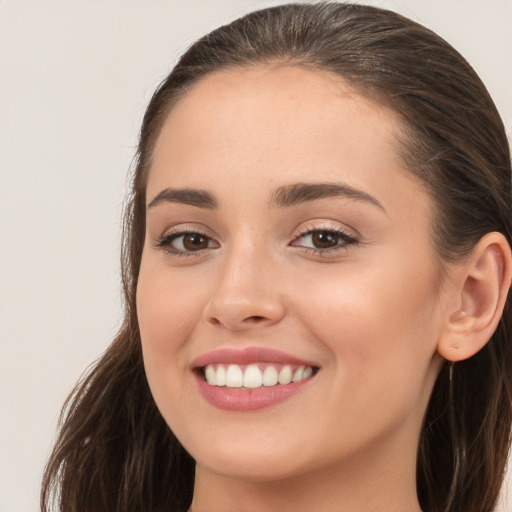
(480, 290)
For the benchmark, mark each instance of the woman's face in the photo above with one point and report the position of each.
(285, 239)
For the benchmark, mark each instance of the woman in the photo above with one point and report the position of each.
(316, 269)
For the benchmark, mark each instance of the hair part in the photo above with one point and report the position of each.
(115, 453)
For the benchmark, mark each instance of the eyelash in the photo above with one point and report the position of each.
(345, 240)
(165, 243)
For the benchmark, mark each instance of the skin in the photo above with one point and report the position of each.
(370, 314)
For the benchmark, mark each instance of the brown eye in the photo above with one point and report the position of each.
(195, 242)
(186, 243)
(325, 239)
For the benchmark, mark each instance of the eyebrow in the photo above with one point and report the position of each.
(289, 195)
(190, 196)
(285, 196)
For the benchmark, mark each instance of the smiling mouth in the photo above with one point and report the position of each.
(254, 376)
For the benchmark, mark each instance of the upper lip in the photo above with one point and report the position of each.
(248, 356)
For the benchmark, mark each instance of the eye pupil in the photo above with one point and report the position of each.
(195, 242)
(324, 239)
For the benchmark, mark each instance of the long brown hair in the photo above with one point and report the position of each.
(115, 453)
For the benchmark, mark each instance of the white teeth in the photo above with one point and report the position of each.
(299, 372)
(270, 376)
(285, 375)
(220, 376)
(209, 373)
(234, 376)
(251, 376)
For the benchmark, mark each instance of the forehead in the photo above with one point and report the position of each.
(279, 124)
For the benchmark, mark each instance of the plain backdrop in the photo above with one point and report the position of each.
(75, 77)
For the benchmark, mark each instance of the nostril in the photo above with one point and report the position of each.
(254, 319)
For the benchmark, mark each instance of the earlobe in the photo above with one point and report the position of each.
(482, 288)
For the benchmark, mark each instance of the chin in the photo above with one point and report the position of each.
(251, 467)
(249, 458)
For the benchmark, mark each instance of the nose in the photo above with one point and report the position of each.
(246, 294)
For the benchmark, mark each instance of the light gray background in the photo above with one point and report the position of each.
(75, 78)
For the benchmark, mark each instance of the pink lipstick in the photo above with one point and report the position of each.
(254, 378)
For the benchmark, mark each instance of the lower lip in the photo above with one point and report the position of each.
(236, 399)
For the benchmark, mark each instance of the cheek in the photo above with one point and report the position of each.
(381, 301)
(381, 346)
(168, 308)
(378, 325)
